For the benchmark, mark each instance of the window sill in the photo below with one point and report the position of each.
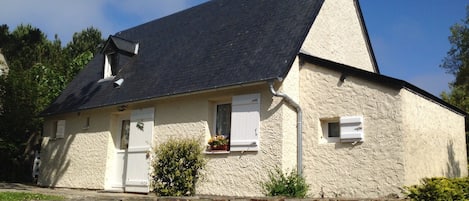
(110, 78)
(216, 152)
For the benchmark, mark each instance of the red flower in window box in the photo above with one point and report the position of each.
(219, 147)
(218, 142)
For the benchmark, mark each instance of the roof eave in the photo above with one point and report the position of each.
(380, 79)
(166, 96)
(367, 37)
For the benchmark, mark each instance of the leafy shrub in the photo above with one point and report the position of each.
(285, 184)
(176, 167)
(439, 189)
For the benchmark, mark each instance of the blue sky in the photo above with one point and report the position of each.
(409, 37)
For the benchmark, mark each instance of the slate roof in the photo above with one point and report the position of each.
(121, 45)
(217, 44)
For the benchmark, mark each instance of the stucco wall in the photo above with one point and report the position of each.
(435, 143)
(79, 159)
(337, 35)
(290, 86)
(236, 173)
(3, 65)
(394, 152)
(373, 168)
(85, 157)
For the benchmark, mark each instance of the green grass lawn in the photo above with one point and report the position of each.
(23, 196)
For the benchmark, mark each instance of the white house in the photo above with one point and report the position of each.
(293, 84)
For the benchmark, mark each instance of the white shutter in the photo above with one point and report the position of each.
(60, 129)
(351, 129)
(245, 121)
(138, 164)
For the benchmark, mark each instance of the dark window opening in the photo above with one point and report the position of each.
(333, 129)
(223, 120)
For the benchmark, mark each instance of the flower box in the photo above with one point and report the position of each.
(219, 147)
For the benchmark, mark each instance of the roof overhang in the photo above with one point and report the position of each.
(379, 79)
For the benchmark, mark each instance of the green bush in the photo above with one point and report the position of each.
(439, 189)
(285, 184)
(176, 167)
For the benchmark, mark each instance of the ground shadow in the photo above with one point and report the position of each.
(54, 162)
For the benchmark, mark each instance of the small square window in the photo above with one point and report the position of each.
(329, 130)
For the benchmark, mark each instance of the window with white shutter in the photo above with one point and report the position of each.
(245, 123)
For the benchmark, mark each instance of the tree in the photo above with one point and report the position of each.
(89, 39)
(456, 62)
(39, 70)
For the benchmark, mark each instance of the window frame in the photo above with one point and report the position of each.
(245, 118)
(324, 130)
(111, 63)
(121, 137)
(214, 120)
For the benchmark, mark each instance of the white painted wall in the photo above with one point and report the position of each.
(393, 154)
(236, 173)
(79, 159)
(435, 142)
(3, 65)
(407, 137)
(337, 35)
(374, 168)
(291, 87)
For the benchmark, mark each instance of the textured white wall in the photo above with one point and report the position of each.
(393, 154)
(85, 157)
(435, 142)
(290, 86)
(236, 173)
(79, 159)
(337, 35)
(3, 65)
(374, 168)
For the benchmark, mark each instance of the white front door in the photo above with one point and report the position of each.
(138, 161)
(121, 139)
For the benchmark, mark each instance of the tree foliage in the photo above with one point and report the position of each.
(456, 62)
(39, 69)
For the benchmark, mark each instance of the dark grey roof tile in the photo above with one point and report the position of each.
(217, 44)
